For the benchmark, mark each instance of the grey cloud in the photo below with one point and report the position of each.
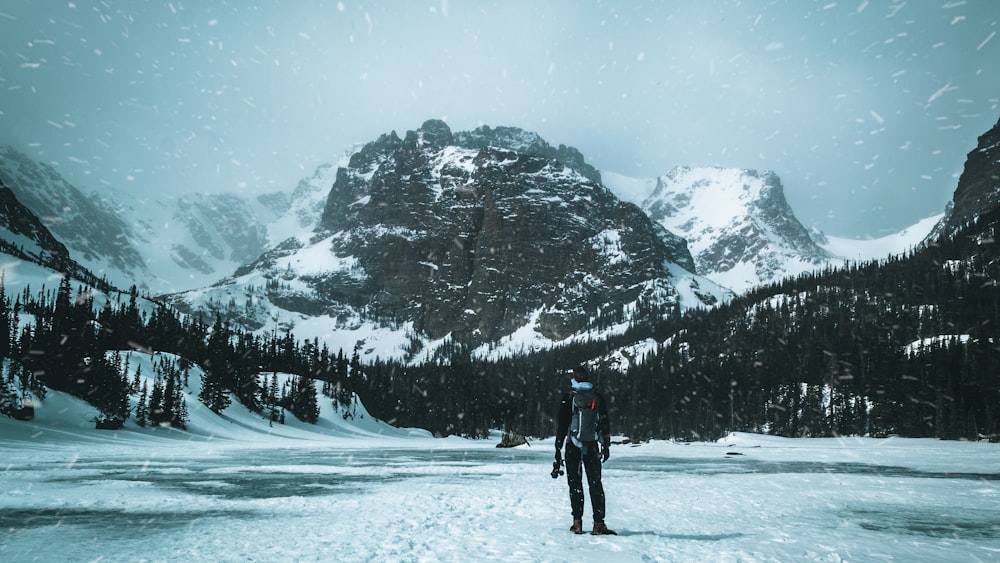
(865, 109)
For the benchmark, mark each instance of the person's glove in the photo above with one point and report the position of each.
(605, 452)
(557, 465)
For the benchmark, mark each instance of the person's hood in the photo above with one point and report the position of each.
(581, 385)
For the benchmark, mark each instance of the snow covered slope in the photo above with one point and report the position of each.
(60, 415)
(874, 249)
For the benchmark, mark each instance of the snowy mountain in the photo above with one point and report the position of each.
(491, 237)
(170, 244)
(740, 229)
(436, 238)
(163, 244)
(206, 236)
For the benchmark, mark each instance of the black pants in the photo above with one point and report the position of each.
(576, 461)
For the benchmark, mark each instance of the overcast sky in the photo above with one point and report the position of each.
(865, 109)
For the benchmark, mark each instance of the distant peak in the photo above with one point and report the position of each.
(433, 131)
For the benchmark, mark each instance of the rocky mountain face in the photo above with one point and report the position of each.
(978, 188)
(470, 235)
(738, 225)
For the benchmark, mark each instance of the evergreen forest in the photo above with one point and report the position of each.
(903, 346)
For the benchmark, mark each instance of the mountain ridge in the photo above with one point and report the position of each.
(198, 236)
(466, 244)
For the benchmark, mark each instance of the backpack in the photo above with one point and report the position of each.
(583, 424)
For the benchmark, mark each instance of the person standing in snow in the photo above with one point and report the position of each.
(584, 428)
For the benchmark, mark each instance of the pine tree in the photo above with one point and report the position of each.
(304, 404)
(180, 411)
(6, 327)
(8, 396)
(354, 377)
(155, 409)
(170, 394)
(142, 408)
(272, 400)
(137, 379)
(185, 366)
(108, 386)
(213, 394)
(341, 395)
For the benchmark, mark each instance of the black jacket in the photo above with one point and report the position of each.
(566, 414)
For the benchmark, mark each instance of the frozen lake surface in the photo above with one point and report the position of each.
(746, 498)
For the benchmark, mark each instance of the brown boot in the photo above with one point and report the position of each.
(577, 527)
(601, 529)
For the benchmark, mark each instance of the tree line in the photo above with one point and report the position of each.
(73, 345)
(906, 345)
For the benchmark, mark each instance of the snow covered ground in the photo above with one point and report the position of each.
(236, 489)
